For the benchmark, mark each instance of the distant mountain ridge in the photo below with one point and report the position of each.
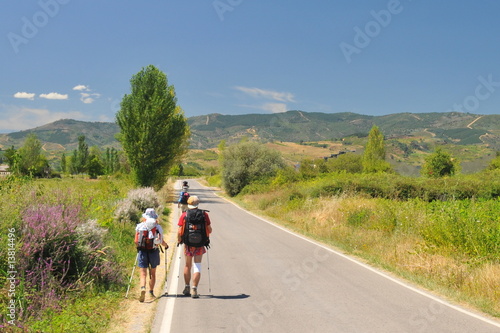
(295, 126)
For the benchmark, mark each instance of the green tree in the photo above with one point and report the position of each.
(82, 155)
(439, 164)
(221, 147)
(247, 162)
(64, 163)
(374, 155)
(154, 132)
(13, 160)
(111, 161)
(95, 167)
(31, 160)
(72, 163)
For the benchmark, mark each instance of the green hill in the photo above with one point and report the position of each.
(292, 126)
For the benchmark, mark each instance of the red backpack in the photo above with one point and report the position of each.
(143, 241)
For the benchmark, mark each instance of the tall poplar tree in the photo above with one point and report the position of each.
(374, 155)
(82, 155)
(154, 132)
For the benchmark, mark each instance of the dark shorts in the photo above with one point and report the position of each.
(147, 259)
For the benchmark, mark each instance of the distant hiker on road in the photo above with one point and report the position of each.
(194, 231)
(148, 238)
(183, 197)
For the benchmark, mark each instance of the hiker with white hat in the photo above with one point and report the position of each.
(148, 238)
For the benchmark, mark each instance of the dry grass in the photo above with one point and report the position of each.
(387, 236)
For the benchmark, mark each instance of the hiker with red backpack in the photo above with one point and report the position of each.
(148, 238)
(183, 197)
(194, 231)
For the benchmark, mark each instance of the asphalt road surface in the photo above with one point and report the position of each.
(263, 278)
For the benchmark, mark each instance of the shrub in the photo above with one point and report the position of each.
(247, 162)
(131, 208)
(440, 164)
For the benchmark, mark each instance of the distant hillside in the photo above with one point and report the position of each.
(63, 135)
(292, 126)
(297, 126)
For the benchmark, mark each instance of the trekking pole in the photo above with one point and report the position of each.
(132, 274)
(209, 283)
(179, 271)
(166, 273)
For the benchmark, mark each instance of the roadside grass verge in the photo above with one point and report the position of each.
(451, 247)
(74, 280)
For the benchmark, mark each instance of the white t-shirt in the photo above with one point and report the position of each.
(148, 226)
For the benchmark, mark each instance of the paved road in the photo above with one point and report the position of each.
(265, 279)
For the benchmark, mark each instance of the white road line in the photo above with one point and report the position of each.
(166, 322)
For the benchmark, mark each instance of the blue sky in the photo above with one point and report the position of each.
(74, 58)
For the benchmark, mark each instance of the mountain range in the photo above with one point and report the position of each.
(293, 126)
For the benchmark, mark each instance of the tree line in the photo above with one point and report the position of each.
(29, 160)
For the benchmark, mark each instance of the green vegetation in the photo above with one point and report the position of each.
(247, 162)
(78, 253)
(374, 155)
(439, 164)
(28, 160)
(495, 163)
(154, 131)
(441, 230)
(443, 233)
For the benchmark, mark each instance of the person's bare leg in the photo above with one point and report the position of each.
(143, 273)
(197, 275)
(142, 277)
(187, 269)
(152, 278)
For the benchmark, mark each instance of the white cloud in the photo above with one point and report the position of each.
(275, 107)
(25, 95)
(54, 95)
(267, 94)
(88, 98)
(81, 87)
(16, 118)
(269, 107)
(105, 118)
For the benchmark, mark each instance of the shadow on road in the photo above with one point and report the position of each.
(240, 296)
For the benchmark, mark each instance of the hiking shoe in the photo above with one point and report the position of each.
(143, 294)
(151, 294)
(194, 293)
(185, 292)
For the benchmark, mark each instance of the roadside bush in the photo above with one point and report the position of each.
(248, 162)
(471, 227)
(285, 175)
(136, 202)
(350, 163)
(394, 187)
